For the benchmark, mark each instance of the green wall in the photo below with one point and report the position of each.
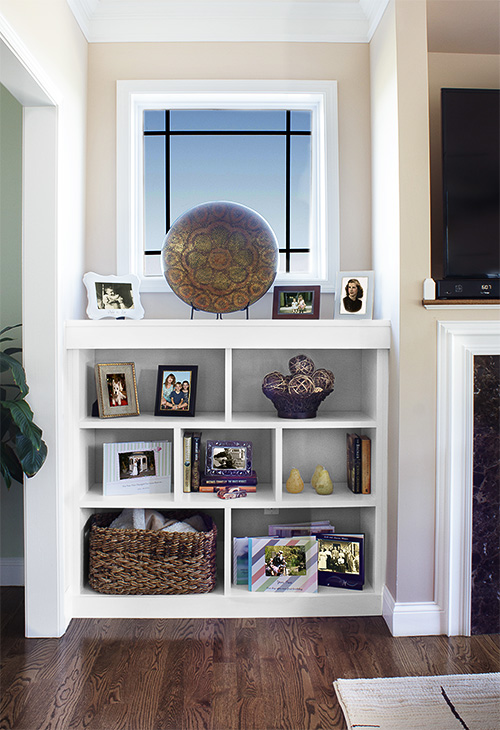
(11, 502)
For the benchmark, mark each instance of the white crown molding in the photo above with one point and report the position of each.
(332, 21)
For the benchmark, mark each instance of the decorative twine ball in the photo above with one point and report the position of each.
(301, 365)
(275, 382)
(301, 385)
(323, 378)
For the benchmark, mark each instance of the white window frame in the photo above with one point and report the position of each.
(320, 97)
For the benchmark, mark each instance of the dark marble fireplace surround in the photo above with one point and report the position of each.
(485, 588)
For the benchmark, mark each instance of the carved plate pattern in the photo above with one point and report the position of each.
(220, 257)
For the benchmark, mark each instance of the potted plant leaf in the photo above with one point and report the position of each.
(23, 450)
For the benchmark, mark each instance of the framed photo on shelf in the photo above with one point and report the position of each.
(137, 467)
(341, 561)
(113, 296)
(294, 303)
(354, 295)
(228, 458)
(283, 564)
(116, 389)
(176, 390)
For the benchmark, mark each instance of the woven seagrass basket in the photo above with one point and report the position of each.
(147, 562)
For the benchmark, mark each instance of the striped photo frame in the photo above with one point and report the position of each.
(300, 570)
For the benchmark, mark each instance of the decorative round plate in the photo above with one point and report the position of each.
(220, 257)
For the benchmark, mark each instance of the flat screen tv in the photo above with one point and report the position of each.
(471, 175)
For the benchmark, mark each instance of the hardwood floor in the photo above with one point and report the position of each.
(213, 674)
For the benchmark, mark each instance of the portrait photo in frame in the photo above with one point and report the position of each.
(354, 295)
(228, 458)
(176, 390)
(113, 296)
(296, 303)
(116, 389)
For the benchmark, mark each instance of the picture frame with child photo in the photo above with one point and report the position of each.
(176, 390)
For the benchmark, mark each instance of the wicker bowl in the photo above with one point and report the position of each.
(298, 395)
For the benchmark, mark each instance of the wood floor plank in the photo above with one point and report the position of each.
(213, 674)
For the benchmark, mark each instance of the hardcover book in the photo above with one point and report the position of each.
(341, 561)
(366, 447)
(186, 461)
(353, 449)
(195, 461)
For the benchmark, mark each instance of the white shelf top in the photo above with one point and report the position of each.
(220, 334)
(256, 420)
(263, 498)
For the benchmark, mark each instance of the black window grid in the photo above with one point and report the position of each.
(168, 133)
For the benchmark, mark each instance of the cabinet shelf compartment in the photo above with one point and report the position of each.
(211, 394)
(230, 405)
(353, 370)
(328, 448)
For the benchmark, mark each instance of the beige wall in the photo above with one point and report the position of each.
(401, 84)
(346, 63)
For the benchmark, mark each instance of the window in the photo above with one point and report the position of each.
(263, 144)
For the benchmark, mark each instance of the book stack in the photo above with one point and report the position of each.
(191, 461)
(300, 529)
(210, 483)
(358, 463)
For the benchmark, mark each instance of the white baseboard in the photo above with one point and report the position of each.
(12, 571)
(412, 619)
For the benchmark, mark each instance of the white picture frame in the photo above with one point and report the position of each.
(113, 296)
(355, 307)
(136, 467)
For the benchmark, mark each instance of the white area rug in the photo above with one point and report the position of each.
(454, 702)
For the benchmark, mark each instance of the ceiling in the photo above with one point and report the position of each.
(454, 26)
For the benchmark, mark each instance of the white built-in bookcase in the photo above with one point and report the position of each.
(232, 358)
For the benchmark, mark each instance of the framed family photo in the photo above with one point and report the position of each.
(293, 303)
(137, 467)
(228, 458)
(116, 389)
(176, 390)
(354, 295)
(113, 296)
(341, 561)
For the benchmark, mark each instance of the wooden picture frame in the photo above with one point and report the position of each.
(116, 389)
(176, 390)
(354, 295)
(292, 302)
(113, 296)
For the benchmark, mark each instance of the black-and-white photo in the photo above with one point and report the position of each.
(229, 458)
(114, 295)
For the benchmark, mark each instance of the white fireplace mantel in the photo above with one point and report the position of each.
(458, 343)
